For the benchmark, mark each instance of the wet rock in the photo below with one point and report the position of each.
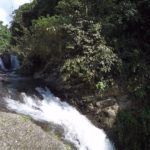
(19, 133)
(107, 109)
(91, 107)
(107, 116)
(105, 103)
(111, 111)
(124, 102)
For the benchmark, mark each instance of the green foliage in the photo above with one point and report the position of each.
(125, 27)
(95, 43)
(22, 19)
(4, 36)
(133, 130)
(22, 11)
(50, 29)
(140, 92)
(90, 59)
(71, 9)
(45, 7)
(40, 51)
(101, 86)
(68, 34)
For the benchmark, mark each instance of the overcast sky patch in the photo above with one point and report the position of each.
(7, 7)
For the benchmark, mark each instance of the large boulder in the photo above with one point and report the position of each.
(105, 110)
(20, 133)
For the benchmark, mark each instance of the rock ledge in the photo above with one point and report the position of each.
(20, 133)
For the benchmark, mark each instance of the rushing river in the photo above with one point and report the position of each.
(77, 129)
(24, 96)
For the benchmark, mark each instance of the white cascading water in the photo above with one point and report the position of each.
(14, 62)
(77, 128)
(2, 65)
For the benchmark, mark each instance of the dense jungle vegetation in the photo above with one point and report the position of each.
(96, 44)
(5, 37)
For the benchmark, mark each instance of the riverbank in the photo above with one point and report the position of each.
(102, 111)
(116, 112)
(19, 95)
(19, 131)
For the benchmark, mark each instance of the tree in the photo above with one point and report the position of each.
(90, 60)
(4, 36)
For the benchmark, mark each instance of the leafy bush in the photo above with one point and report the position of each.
(89, 60)
(133, 130)
(43, 43)
(4, 36)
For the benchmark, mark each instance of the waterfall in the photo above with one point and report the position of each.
(14, 62)
(2, 67)
(77, 128)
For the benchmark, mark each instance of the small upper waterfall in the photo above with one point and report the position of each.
(77, 128)
(2, 67)
(14, 63)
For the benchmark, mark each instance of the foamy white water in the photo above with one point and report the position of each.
(77, 128)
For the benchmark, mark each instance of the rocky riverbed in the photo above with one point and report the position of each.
(18, 132)
(102, 111)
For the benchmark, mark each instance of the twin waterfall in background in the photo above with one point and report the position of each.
(14, 63)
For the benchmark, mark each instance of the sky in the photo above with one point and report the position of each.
(7, 7)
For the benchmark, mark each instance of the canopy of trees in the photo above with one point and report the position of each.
(98, 43)
(79, 30)
(4, 37)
